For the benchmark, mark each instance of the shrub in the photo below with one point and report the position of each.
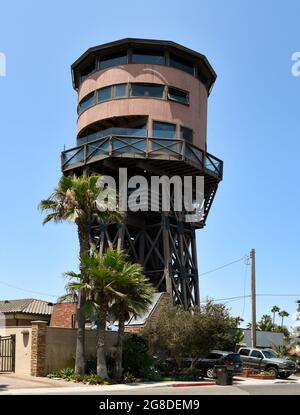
(136, 357)
(65, 374)
(128, 377)
(92, 379)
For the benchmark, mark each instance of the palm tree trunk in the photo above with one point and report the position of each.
(80, 340)
(101, 355)
(119, 352)
(80, 359)
(273, 320)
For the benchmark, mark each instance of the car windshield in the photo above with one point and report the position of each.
(269, 354)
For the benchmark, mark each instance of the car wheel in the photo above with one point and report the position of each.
(283, 376)
(210, 372)
(273, 371)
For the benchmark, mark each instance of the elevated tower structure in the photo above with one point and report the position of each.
(142, 105)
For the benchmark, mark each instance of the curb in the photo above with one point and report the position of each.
(179, 385)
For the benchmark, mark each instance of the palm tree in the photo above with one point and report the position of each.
(98, 279)
(275, 309)
(265, 323)
(137, 294)
(283, 314)
(75, 200)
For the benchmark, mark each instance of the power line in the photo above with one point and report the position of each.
(223, 266)
(278, 295)
(242, 297)
(28, 291)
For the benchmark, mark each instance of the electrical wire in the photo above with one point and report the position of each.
(28, 291)
(221, 267)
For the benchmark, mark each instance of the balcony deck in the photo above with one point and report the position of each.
(144, 148)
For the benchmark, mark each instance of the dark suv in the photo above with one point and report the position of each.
(267, 360)
(218, 357)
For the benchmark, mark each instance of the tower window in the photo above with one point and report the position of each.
(186, 134)
(87, 102)
(121, 90)
(182, 64)
(163, 130)
(175, 94)
(111, 60)
(155, 58)
(87, 71)
(147, 90)
(104, 94)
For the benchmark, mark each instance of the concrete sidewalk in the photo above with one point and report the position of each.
(26, 385)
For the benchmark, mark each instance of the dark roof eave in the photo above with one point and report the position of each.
(166, 43)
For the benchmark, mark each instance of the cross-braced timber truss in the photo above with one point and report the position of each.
(167, 250)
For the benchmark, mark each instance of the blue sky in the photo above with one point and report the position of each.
(253, 125)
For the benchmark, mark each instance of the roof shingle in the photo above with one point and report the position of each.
(26, 306)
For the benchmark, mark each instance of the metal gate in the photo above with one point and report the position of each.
(7, 353)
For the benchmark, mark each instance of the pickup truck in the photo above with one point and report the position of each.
(265, 359)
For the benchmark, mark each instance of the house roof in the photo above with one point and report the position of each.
(141, 320)
(26, 306)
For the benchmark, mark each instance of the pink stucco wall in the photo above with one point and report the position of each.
(193, 116)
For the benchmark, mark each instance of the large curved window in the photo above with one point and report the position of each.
(138, 56)
(134, 90)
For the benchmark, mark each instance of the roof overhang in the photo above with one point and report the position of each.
(197, 57)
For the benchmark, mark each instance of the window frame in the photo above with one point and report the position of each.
(147, 84)
(98, 91)
(164, 122)
(114, 89)
(256, 351)
(178, 57)
(86, 98)
(181, 127)
(100, 60)
(247, 350)
(180, 91)
(149, 52)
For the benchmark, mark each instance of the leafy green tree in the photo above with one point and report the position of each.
(178, 333)
(75, 199)
(275, 309)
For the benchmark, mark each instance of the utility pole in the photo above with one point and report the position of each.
(253, 297)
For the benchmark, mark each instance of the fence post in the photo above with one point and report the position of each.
(38, 348)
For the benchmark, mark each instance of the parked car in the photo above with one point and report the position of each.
(218, 357)
(266, 359)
